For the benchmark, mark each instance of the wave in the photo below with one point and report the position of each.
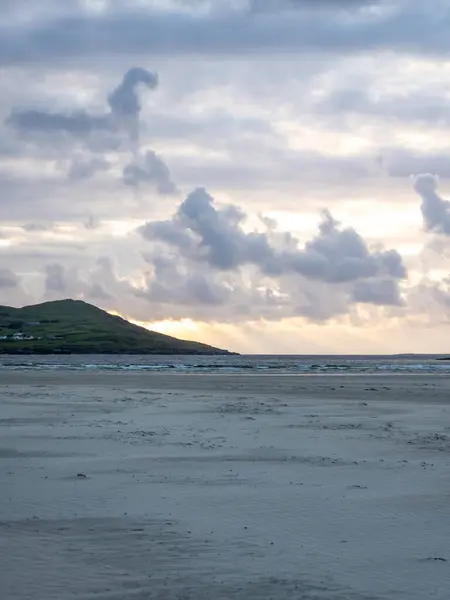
(260, 365)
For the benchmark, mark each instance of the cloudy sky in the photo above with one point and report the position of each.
(265, 175)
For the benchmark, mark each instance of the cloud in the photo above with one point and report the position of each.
(55, 280)
(11, 290)
(402, 162)
(171, 285)
(124, 112)
(277, 5)
(435, 210)
(91, 222)
(97, 292)
(213, 235)
(80, 123)
(209, 251)
(380, 292)
(411, 27)
(245, 120)
(124, 101)
(8, 279)
(36, 227)
(418, 107)
(96, 282)
(85, 168)
(150, 169)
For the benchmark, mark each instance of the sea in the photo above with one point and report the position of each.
(250, 364)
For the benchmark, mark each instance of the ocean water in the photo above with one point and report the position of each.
(257, 364)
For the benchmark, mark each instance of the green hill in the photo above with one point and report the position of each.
(75, 327)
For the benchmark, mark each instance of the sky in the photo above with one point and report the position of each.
(268, 176)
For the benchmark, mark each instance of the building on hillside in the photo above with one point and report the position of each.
(19, 336)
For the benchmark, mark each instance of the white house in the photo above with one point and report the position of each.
(21, 336)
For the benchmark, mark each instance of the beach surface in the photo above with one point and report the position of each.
(216, 487)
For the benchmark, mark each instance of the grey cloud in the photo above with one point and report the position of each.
(79, 123)
(210, 267)
(8, 279)
(412, 27)
(205, 234)
(91, 284)
(332, 3)
(55, 279)
(92, 222)
(150, 169)
(124, 111)
(339, 255)
(102, 284)
(177, 288)
(382, 292)
(36, 227)
(124, 100)
(198, 127)
(204, 231)
(416, 107)
(47, 199)
(170, 286)
(97, 292)
(44, 198)
(277, 5)
(270, 164)
(11, 290)
(431, 298)
(435, 210)
(81, 168)
(401, 162)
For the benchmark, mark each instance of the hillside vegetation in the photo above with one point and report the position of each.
(73, 326)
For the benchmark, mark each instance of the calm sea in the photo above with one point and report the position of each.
(231, 364)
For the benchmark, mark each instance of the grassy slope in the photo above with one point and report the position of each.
(83, 328)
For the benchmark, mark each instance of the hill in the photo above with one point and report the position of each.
(75, 327)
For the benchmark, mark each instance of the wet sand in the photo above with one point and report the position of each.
(215, 487)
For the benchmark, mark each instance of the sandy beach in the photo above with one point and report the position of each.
(211, 487)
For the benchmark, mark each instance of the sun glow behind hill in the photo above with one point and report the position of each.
(185, 328)
(197, 331)
(296, 336)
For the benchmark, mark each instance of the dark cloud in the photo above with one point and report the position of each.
(124, 111)
(150, 169)
(204, 234)
(203, 231)
(382, 292)
(435, 210)
(412, 26)
(79, 123)
(124, 101)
